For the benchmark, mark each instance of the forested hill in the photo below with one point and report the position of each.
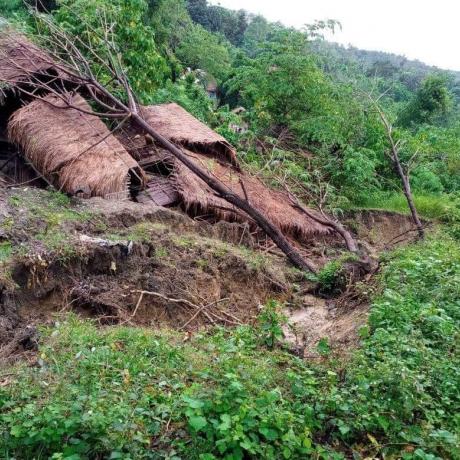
(385, 65)
(234, 26)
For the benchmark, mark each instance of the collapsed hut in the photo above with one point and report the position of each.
(20, 58)
(73, 150)
(171, 182)
(20, 62)
(23, 63)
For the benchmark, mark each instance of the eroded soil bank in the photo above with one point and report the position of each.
(126, 263)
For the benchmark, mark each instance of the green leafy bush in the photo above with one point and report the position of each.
(403, 387)
(6, 249)
(271, 320)
(332, 278)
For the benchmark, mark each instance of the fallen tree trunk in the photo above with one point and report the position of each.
(364, 263)
(350, 242)
(268, 227)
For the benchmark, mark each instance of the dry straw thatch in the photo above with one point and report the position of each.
(19, 58)
(198, 198)
(73, 150)
(199, 142)
(177, 125)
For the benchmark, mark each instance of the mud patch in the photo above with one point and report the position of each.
(320, 319)
(181, 283)
(382, 229)
(127, 263)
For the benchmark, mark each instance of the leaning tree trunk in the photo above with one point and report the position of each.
(407, 192)
(400, 171)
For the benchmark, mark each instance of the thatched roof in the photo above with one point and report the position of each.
(73, 150)
(19, 58)
(196, 197)
(177, 125)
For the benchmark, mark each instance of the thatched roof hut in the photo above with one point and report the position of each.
(206, 148)
(19, 58)
(198, 198)
(75, 151)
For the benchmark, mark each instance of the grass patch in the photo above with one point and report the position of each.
(143, 231)
(161, 252)
(59, 242)
(52, 207)
(255, 259)
(6, 253)
(441, 207)
(47, 214)
(6, 250)
(7, 224)
(185, 241)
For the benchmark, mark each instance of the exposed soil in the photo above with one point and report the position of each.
(319, 319)
(382, 230)
(127, 263)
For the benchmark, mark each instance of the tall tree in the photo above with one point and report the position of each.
(231, 24)
(146, 68)
(431, 101)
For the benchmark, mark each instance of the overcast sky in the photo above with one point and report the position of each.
(427, 30)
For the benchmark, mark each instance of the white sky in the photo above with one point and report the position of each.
(427, 30)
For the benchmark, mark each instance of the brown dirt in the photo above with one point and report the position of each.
(320, 319)
(382, 230)
(106, 284)
(169, 254)
(193, 274)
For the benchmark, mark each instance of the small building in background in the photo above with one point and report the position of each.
(212, 89)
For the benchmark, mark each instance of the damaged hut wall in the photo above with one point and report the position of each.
(157, 164)
(75, 151)
(14, 169)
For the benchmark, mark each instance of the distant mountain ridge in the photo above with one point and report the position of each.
(369, 57)
(339, 59)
